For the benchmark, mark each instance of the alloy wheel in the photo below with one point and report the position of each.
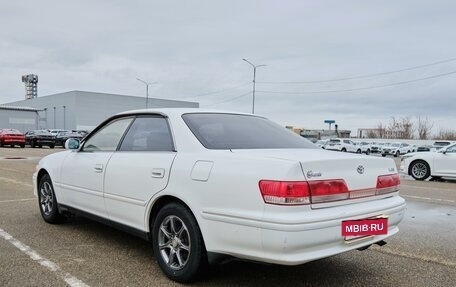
(46, 198)
(419, 170)
(174, 242)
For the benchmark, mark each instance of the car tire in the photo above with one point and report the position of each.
(1, 144)
(368, 151)
(383, 154)
(343, 150)
(419, 170)
(48, 202)
(51, 146)
(358, 151)
(178, 244)
(33, 144)
(397, 154)
(22, 145)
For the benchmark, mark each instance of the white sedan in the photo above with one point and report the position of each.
(204, 185)
(422, 165)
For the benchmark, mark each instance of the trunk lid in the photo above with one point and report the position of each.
(360, 172)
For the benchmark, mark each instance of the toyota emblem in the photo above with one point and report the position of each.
(360, 169)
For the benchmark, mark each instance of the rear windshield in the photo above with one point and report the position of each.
(231, 131)
(334, 141)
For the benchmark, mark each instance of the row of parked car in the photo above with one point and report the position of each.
(395, 149)
(38, 138)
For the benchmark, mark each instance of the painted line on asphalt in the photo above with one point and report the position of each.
(428, 188)
(17, 200)
(51, 266)
(428, 198)
(13, 181)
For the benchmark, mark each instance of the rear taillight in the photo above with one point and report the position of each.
(320, 191)
(285, 192)
(388, 183)
(328, 190)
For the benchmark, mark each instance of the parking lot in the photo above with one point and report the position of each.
(81, 252)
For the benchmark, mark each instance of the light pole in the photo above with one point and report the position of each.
(254, 78)
(54, 117)
(64, 117)
(147, 90)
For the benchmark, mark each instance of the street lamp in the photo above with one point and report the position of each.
(254, 77)
(147, 90)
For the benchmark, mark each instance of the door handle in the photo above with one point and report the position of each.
(158, 172)
(98, 168)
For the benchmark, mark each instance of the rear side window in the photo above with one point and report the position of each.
(334, 141)
(231, 131)
(148, 133)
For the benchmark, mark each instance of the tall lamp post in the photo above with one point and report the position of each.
(254, 78)
(147, 90)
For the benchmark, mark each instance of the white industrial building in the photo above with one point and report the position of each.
(75, 110)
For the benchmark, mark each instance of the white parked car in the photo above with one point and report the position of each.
(343, 145)
(365, 147)
(436, 146)
(201, 185)
(396, 149)
(423, 165)
(376, 147)
(321, 143)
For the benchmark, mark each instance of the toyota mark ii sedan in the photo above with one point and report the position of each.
(204, 186)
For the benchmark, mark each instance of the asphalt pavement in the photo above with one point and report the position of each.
(81, 252)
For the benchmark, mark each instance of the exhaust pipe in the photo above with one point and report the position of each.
(380, 243)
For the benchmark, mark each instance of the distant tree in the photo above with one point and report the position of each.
(446, 135)
(372, 134)
(407, 128)
(424, 127)
(401, 128)
(381, 130)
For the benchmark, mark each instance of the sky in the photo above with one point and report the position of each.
(356, 62)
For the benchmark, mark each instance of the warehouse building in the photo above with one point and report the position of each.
(75, 110)
(20, 118)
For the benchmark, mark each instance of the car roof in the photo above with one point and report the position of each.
(181, 111)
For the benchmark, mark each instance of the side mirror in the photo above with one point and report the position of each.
(72, 144)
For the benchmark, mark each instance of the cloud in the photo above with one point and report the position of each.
(196, 47)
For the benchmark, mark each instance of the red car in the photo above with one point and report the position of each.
(11, 137)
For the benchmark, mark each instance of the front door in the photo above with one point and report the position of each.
(83, 171)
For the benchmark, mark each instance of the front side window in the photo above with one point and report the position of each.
(232, 131)
(108, 137)
(148, 133)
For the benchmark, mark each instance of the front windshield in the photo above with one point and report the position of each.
(395, 145)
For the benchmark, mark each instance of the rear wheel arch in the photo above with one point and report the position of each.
(159, 204)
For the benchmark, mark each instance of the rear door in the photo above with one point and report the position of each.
(138, 170)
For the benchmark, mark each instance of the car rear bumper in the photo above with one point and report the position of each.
(333, 148)
(13, 141)
(288, 241)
